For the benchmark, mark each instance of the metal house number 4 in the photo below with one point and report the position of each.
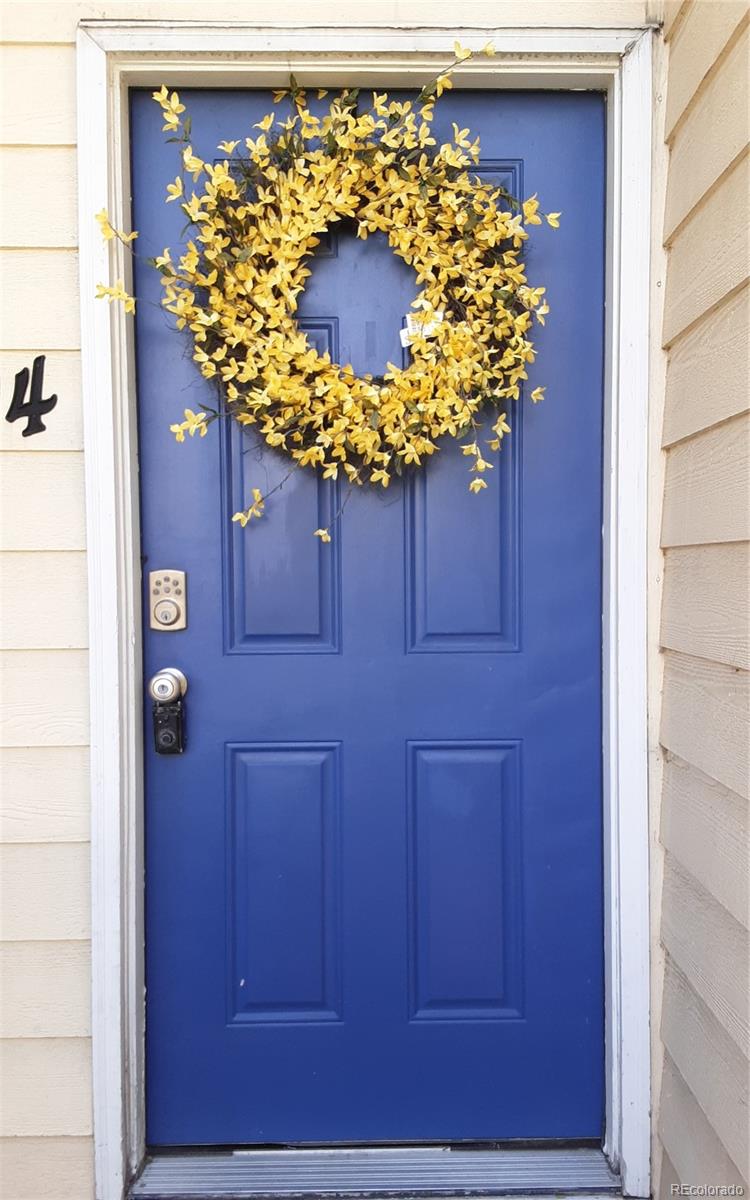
(36, 406)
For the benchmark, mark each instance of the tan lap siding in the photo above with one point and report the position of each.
(715, 349)
(47, 1168)
(706, 487)
(46, 1151)
(45, 990)
(40, 170)
(37, 91)
(709, 946)
(45, 912)
(708, 1060)
(699, 158)
(705, 717)
(705, 826)
(45, 794)
(683, 1125)
(698, 43)
(703, 1121)
(56, 20)
(708, 257)
(50, 1081)
(706, 603)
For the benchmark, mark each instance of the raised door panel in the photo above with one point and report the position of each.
(283, 860)
(464, 880)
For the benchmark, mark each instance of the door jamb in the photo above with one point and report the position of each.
(111, 57)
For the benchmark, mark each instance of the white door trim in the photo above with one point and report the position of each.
(113, 56)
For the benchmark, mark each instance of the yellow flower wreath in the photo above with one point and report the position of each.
(258, 218)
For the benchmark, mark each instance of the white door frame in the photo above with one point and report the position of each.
(112, 56)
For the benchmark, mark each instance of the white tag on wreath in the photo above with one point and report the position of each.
(420, 325)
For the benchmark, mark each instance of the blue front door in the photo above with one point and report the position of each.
(374, 879)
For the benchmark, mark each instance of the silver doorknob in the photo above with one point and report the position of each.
(167, 685)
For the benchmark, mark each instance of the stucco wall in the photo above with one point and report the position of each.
(45, 1103)
(702, 1129)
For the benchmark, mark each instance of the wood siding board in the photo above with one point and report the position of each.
(708, 371)
(56, 22)
(46, 1087)
(705, 827)
(38, 196)
(698, 157)
(704, 628)
(45, 989)
(37, 94)
(705, 714)
(45, 794)
(43, 600)
(688, 1138)
(668, 1179)
(674, 14)
(42, 501)
(709, 1061)
(707, 487)
(56, 877)
(44, 700)
(47, 1168)
(39, 300)
(709, 257)
(710, 948)
(694, 49)
(706, 602)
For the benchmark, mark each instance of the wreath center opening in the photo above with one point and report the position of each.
(356, 300)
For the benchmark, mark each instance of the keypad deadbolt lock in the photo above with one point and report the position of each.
(167, 600)
(167, 689)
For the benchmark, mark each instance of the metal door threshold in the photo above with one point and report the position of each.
(402, 1172)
